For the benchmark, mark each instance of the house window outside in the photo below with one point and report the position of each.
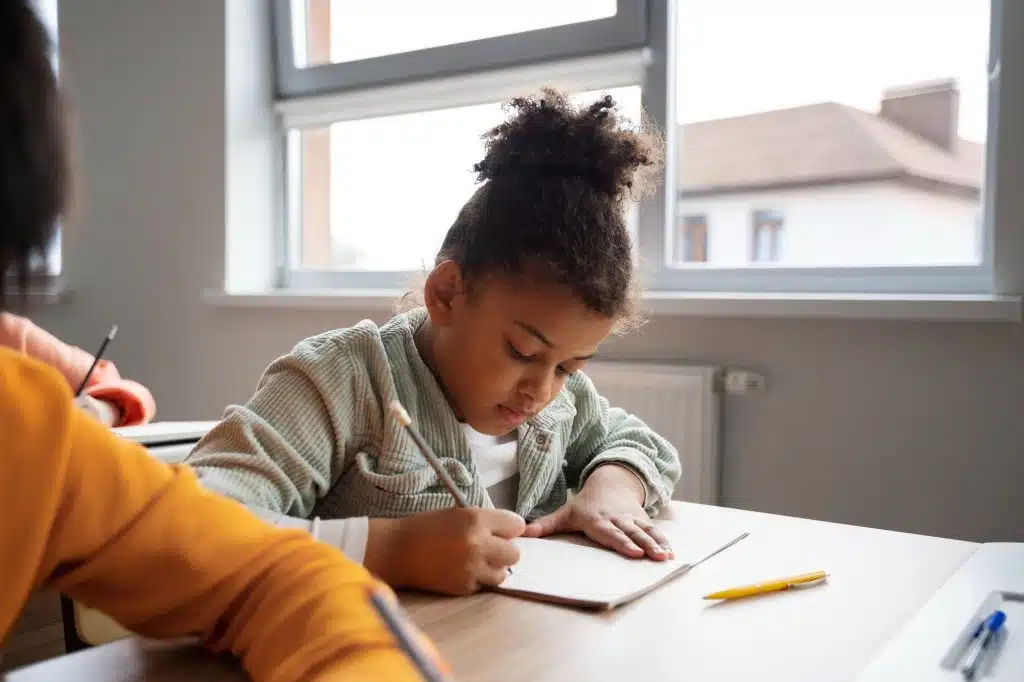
(692, 240)
(768, 229)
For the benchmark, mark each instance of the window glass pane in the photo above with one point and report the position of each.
(861, 122)
(348, 30)
(767, 229)
(379, 194)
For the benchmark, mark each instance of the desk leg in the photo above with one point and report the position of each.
(72, 642)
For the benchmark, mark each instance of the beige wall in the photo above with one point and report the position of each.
(902, 425)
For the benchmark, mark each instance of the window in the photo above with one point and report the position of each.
(365, 47)
(369, 29)
(692, 241)
(351, 217)
(377, 176)
(879, 156)
(766, 230)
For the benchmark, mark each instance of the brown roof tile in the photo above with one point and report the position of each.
(816, 144)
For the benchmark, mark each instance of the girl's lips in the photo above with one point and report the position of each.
(510, 416)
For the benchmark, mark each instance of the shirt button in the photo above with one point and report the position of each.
(542, 439)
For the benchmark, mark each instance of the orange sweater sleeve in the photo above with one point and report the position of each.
(96, 517)
(133, 400)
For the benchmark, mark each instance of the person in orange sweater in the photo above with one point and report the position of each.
(107, 397)
(94, 516)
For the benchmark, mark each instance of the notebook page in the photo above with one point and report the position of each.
(575, 570)
(581, 573)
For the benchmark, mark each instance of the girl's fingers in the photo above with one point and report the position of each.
(643, 539)
(658, 536)
(608, 534)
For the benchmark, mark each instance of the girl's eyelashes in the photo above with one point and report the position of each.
(515, 354)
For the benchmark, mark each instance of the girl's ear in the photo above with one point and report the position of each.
(444, 293)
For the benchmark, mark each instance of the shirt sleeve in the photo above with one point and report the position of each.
(348, 535)
(146, 544)
(285, 448)
(133, 401)
(602, 434)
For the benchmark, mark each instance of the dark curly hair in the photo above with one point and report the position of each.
(556, 180)
(34, 164)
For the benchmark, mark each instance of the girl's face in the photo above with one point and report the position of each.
(503, 352)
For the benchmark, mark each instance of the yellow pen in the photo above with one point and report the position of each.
(796, 581)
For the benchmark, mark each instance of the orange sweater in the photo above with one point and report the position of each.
(94, 516)
(133, 400)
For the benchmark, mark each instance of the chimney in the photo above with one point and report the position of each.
(929, 110)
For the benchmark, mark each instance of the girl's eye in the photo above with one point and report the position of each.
(563, 372)
(515, 354)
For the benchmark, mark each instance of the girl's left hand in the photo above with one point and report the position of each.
(608, 510)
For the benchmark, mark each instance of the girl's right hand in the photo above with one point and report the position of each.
(453, 551)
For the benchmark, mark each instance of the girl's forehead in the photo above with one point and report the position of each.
(550, 314)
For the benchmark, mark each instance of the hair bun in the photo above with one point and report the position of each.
(547, 136)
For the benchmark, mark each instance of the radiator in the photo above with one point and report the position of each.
(680, 402)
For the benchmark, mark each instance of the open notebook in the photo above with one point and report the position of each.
(576, 572)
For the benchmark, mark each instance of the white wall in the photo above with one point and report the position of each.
(901, 425)
(881, 223)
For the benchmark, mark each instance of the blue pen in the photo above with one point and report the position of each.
(982, 638)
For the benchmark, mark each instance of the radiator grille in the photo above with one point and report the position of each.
(680, 402)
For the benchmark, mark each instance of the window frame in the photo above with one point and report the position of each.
(626, 30)
(636, 46)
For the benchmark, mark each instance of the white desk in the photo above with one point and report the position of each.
(157, 433)
(963, 601)
(168, 441)
(825, 634)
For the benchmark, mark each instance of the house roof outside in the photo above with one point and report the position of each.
(821, 144)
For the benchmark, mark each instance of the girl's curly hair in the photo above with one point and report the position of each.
(556, 180)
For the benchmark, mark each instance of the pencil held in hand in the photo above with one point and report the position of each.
(96, 359)
(402, 417)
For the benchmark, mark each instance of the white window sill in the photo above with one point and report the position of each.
(931, 307)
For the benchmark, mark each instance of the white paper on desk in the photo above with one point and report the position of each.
(572, 570)
(156, 433)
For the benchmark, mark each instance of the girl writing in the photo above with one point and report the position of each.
(534, 274)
